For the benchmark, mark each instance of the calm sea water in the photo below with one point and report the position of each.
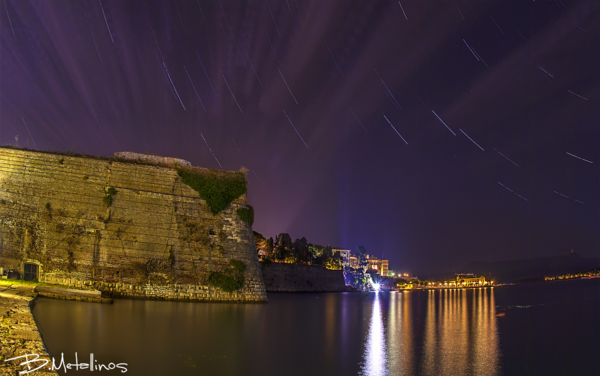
(536, 329)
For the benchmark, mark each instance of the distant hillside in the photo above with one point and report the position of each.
(513, 270)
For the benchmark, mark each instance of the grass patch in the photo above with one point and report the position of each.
(229, 280)
(247, 215)
(217, 188)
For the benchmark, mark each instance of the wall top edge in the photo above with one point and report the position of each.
(120, 157)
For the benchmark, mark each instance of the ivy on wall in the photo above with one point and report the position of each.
(229, 280)
(246, 215)
(216, 188)
(110, 191)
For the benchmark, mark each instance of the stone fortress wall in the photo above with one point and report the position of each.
(130, 228)
(302, 278)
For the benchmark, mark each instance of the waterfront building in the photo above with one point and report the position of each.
(467, 280)
(374, 264)
(384, 267)
(378, 265)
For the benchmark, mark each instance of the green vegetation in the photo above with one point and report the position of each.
(229, 280)
(218, 189)
(283, 250)
(282, 247)
(247, 215)
(333, 263)
(110, 191)
(171, 258)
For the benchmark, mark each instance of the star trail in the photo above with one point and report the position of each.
(98, 77)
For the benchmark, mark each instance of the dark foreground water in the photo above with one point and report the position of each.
(548, 328)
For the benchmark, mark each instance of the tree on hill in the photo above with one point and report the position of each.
(283, 246)
(315, 250)
(333, 263)
(269, 247)
(301, 252)
(363, 262)
(359, 278)
(283, 240)
(329, 260)
(327, 252)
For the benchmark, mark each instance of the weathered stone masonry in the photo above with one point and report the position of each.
(128, 229)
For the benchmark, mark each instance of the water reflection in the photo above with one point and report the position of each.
(421, 332)
(374, 360)
(400, 347)
(444, 332)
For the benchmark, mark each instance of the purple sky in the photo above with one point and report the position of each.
(433, 133)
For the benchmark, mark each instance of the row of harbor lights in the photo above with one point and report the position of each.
(464, 284)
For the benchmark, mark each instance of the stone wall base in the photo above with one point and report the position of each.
(252, 293)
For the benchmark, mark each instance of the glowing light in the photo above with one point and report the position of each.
(376, 286)
(375, 349)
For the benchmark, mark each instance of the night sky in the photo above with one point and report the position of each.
(434, 133)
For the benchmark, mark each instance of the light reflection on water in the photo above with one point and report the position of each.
(420, 332)
(545, 329)
(375, 349)
(460, 334)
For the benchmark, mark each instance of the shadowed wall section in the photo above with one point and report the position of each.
(131, 229)
(302, 278)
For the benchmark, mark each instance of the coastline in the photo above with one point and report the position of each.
(19, 332)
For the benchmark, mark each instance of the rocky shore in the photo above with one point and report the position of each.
(19, 334)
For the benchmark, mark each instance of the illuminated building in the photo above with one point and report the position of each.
(378, 265)
(467, 280)
(384, 267)
(374, 263)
